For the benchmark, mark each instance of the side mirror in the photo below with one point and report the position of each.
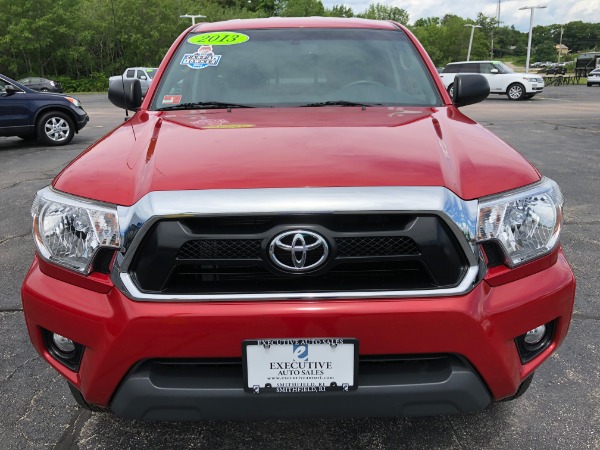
(143, 77)
(126, 94)
(494, 71)
(10, 89)
(469, 89)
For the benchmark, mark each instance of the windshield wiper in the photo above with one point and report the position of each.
(340, 103)
(203, 105)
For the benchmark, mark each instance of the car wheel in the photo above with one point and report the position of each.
(55, 128)
(516, 91)
(590, 84)
(451, 91)
(44, 89)
(524, 386)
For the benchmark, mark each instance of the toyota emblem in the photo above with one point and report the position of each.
(298, 250)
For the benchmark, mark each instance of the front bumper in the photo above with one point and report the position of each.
(475, 332)
(81, 118)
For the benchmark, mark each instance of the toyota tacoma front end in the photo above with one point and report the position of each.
(297, 221)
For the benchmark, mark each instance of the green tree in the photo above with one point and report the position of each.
(340, 11)
(34, 31)
(300, 8)
(428, 21)
(378, 11)
(545, 51)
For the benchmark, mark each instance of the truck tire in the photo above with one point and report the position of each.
(524, 386)
(55, 128)
(516, 91)
(81, 401)
(451, 91)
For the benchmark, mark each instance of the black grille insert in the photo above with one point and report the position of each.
(228, 279)
(377, 246)
(220, 249)
(367, 252)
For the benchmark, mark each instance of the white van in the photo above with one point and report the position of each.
(502, 79)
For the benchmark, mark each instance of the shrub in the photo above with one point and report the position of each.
(96, 82)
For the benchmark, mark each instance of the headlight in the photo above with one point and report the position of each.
(68, 231)
(526, 222)
(74, 101)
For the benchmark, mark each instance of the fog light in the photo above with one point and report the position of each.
(62, 349)
(535, 341)
(533, 337)
(63, 344)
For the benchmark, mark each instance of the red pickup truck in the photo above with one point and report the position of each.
(297, 221)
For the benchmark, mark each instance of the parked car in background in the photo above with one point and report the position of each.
(144, 74)
(41, 84)
(593, 77)
(502, 79)
(283, 238)
(556, 70)
(52, 118)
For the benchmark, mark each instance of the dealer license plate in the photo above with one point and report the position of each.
(300, 365)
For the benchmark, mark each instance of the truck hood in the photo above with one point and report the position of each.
(295, 147)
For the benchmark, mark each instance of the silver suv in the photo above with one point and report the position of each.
(502, 79)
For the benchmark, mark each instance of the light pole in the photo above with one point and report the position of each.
(471, 40)
(193, 17)
(530, 30)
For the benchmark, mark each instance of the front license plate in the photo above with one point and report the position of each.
(300, 365)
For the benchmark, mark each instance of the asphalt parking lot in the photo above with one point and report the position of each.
(558, 131)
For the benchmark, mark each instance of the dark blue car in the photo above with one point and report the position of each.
(52, 118)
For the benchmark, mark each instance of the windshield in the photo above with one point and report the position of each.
(503, 68)
(296, 67)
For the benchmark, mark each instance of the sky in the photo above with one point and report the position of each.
(557, 11)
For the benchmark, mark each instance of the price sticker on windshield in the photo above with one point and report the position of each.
(219, 38)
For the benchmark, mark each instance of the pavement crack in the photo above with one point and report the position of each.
(2, 241)
(16, 183)
(19, 367)
(21, 429)
(577, 315)
(575, 127)
(454, 433)
(68, 439)
(581, 222)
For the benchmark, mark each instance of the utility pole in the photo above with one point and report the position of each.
(497, 25)
(471, 40)
(560, 43)
(193, 17)
(530, 31)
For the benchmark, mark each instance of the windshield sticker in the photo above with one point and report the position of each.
(171, 99)
(219, 38)
(203, 57)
